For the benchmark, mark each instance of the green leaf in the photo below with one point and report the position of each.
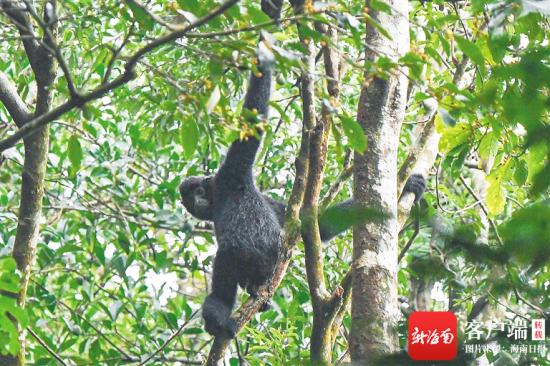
(496, 197)
(355, 133)
(376, 25)
(472, 51)
(189, 137)
(75, 152)
(216, 70)
(266, 146)
(256, 16)
(434, 54)
(20, 315)
(114, 309)
(8, 284)
(535, 158)
(446, 117)
(521, 172)
(541, 181)
(488, 146)
(496, 193)
(141, 16)
(7, 327)
(189, 5)
(307, 32)
(527, 235)
(68, 249)
(380, 6)
(193, 331)
(8, 264)
(458, 162)
(497, 45)
(95, 350)
(455, 136)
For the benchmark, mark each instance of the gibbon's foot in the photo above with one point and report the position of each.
(265, 306)
(229, 329)
(217, 321)
(253, 291)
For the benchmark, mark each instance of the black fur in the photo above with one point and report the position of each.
(196, 196)
(334, 221)
(417, 185)
(272, 8)
(246, 226)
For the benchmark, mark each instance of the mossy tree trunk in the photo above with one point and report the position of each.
(381, 111)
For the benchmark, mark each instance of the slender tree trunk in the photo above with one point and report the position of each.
(36, 158)
(381, 110)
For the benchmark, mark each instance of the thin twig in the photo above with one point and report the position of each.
(531, 305)
(491, 221)
(416, 220)
(43, 344)
(8, 127)
(506, 306)
(342, 358)
(168, 340)
(83, 318)
(151, 15)
(514, 200)
(55, 48)
(170, 80)
(5, 39)
(116, 52)
(228, 32)
(345, 174)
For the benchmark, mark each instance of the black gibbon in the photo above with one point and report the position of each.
(246, 225)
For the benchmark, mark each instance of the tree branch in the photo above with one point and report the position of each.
(13, 103)
(128, 75)
(151, 15)
(425, 149)
(38, 122)
(345, 284)
(476, 197)
(314, 255)
(345, 174)
(53, 48)
(325, 307)
(21, 19)
(50, 351)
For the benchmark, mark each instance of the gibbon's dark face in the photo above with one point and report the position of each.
(196, 196)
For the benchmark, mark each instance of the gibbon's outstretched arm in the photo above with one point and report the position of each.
(197, 199)
(341, 216)
(237, 168)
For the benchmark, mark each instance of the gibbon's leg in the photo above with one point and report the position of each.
(217, 307)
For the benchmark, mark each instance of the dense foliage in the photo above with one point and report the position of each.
(120, 265)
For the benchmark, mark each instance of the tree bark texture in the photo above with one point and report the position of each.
(34, 167)
(380, 113)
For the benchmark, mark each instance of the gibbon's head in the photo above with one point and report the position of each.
(196, 196)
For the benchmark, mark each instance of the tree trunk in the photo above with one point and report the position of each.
(36, 159)
(381, 110)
